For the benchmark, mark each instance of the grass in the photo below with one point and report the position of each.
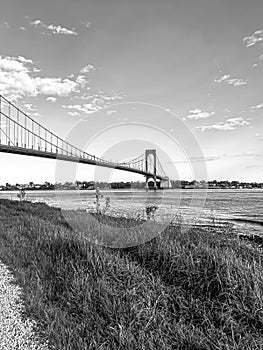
(196, 290)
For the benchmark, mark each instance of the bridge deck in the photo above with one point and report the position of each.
(59, 156)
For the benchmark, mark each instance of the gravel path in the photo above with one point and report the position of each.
(15, 334)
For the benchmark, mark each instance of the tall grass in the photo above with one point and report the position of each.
(194, 290)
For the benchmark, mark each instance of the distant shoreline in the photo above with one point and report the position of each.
(127, 189)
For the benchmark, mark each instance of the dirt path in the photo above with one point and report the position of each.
(15, 333)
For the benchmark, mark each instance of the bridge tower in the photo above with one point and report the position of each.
(150, 152)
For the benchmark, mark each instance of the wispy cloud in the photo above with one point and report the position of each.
(87, 108)
(84, 96)
(216, 157)
(86, 24)
(258, 106)
(111, 111)
(30, 107)
(24, 60)
(73, 114)
(229, 124)
(242, 155)
(55, 86)
(259, 62)
(237, 82)
(17, 79)
(51, 99)
(10, 64)
(96, 102)
(4, 25)
(87, 69)
(222, 78)
(226, 79)
(259, 136)
(82, 81)
(253, 39)
(196, 160)
(199, 114)
(52, 28)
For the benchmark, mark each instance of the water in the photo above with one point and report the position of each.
(242, 208)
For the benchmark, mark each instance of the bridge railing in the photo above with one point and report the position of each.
(19, 130)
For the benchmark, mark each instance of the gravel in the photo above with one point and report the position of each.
(15, 332)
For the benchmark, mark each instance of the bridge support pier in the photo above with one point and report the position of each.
(154, 187)
(165, 183)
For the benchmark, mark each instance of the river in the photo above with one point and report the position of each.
(242, 208)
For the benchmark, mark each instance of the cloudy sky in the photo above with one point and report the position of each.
(198, 63)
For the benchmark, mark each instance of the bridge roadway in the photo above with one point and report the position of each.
(59, 156)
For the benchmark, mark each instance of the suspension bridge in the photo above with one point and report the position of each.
(21, 134)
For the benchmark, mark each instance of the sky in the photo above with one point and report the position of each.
(116, 77)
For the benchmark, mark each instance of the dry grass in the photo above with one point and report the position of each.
(197, 290)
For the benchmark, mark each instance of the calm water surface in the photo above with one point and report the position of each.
(243, 208)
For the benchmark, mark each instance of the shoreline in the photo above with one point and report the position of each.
(245, 222)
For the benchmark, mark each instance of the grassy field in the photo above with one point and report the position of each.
(196, 290)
